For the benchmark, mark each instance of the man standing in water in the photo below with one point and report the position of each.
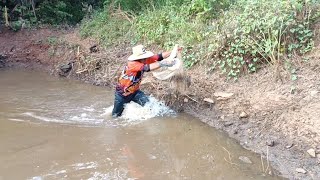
(128, 87)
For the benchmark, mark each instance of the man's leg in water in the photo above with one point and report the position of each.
(118, 106)
(140, 98)
(119, 102)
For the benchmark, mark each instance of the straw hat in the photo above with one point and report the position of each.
(139, 52)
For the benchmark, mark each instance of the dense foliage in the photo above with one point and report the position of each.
(263, 31)
(234, 36)
(29, 12)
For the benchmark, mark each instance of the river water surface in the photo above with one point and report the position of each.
(53, 128)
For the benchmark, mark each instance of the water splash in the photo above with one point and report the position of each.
(92, 116)
(134, 113)
(153, 108)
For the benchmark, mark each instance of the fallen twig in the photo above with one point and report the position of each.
(230, 161)
(262, 165)
(192, 98)
(264, 125)
(267, 160)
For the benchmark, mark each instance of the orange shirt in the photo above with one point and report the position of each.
(131, 76)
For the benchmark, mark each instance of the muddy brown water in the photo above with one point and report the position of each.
(53, 128)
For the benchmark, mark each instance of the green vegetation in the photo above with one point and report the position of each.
(236, 36)
(107, 28)
(262, 31)
(26, 13)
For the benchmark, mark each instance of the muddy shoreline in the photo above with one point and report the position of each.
(258, 120)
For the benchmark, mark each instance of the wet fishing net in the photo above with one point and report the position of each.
(175, 74)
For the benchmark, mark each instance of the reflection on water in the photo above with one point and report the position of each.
(54, 128)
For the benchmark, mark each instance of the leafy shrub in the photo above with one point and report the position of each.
(54, 12)
(206, 10)
(168, 26)
(165, 26)
(139, 6)
(61, 11)
(236, 36)
(261, 31)
(47, 11)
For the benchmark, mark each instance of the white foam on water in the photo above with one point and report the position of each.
(89, 109)
(42, 118)
(88, 115)
(36, 178)
(61, 172)
(82, 119)
(17, 120)
(107, 112)
(120, 173)
(134, 113)
(73, 168)
(88, 165)
(85, 119)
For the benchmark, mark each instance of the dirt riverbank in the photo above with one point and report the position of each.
(278, 119)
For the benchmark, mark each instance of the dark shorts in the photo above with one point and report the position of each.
(120, 100)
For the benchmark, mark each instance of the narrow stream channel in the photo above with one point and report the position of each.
(53, 128)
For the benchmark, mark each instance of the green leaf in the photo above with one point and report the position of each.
(294, 77)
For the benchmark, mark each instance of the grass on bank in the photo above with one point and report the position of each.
(233, 36)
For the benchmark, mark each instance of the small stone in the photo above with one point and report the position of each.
(270, 143)
(222, 117)
(227, 124)
(186, 100)
(300, 170)
(66, 67)
(243, 114)
(312, 153)
(289, 146)
(2, 57)
(93, 49)
(2, 60)
(223, 95)
(245, 159)
(211, 101)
